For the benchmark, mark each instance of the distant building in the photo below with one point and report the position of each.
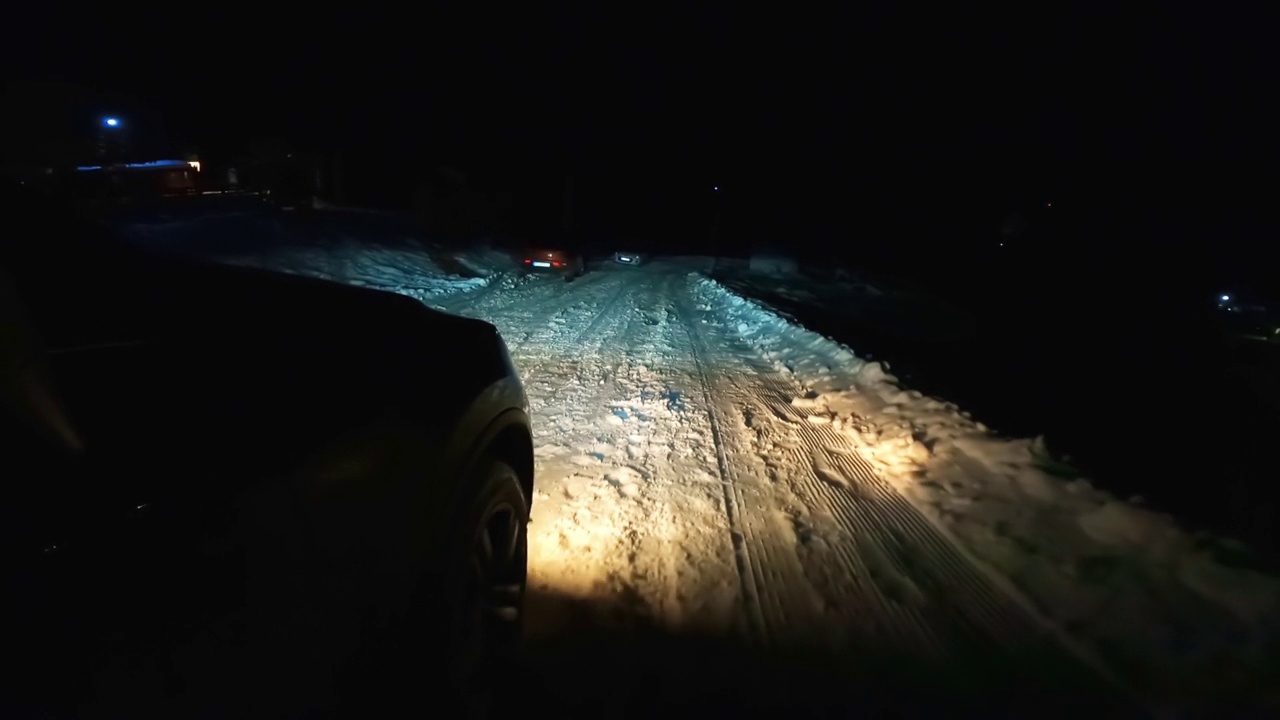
(131, 182)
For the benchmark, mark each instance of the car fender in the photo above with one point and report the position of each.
(399, 503)
(499, 408)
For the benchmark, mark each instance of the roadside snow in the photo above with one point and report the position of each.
(485, 261)
(365, 248)
(407, 270)
(1124, 581)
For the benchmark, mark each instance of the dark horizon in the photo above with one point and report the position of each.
(868, 122)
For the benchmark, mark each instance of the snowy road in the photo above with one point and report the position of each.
(680, 488)
(730, 505)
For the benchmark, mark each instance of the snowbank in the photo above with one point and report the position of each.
(1124, 582)
(409, 271)
(363, 248)
(485, 261)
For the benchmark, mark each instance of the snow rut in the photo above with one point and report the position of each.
(581, 345)
(882, 571)
(626, 511)
(544, 318)
(679, 485)
(515, 301)
(891, 582)
(928, 595)
(678, 542)
(770, 575)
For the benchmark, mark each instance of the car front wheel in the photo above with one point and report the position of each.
(455, 649)
(487, 598)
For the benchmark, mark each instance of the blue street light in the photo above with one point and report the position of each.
(111, 122)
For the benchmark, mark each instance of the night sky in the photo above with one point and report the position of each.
(817, 114)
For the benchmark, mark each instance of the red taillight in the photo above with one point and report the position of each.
(556, 264)
(527, 261)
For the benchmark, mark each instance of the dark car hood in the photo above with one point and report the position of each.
(170, 374)
(112, 295)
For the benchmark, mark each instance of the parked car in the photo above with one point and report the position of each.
(563, 261)
(235, 492)
(630, 258)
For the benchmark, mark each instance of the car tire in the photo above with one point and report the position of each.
(430, 656)
(485, 606)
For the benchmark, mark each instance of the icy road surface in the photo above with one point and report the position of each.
(680, 487)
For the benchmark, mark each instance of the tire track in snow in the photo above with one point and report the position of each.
(960, 607)
(865, 506)
(681, 564)
(529, 290)
(606, 506)
(583, 346)
(624, 510)
(556, 343)
(770, 575)
(885, 545)
(666, 555)
(545, 323)
(514, 307)
(881, 619)
(870, 550)
(951, 605)
(605, 312)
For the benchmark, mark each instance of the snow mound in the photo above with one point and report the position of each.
(374, 249)
(485, 261)
(408, 271)
(1122, 582)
